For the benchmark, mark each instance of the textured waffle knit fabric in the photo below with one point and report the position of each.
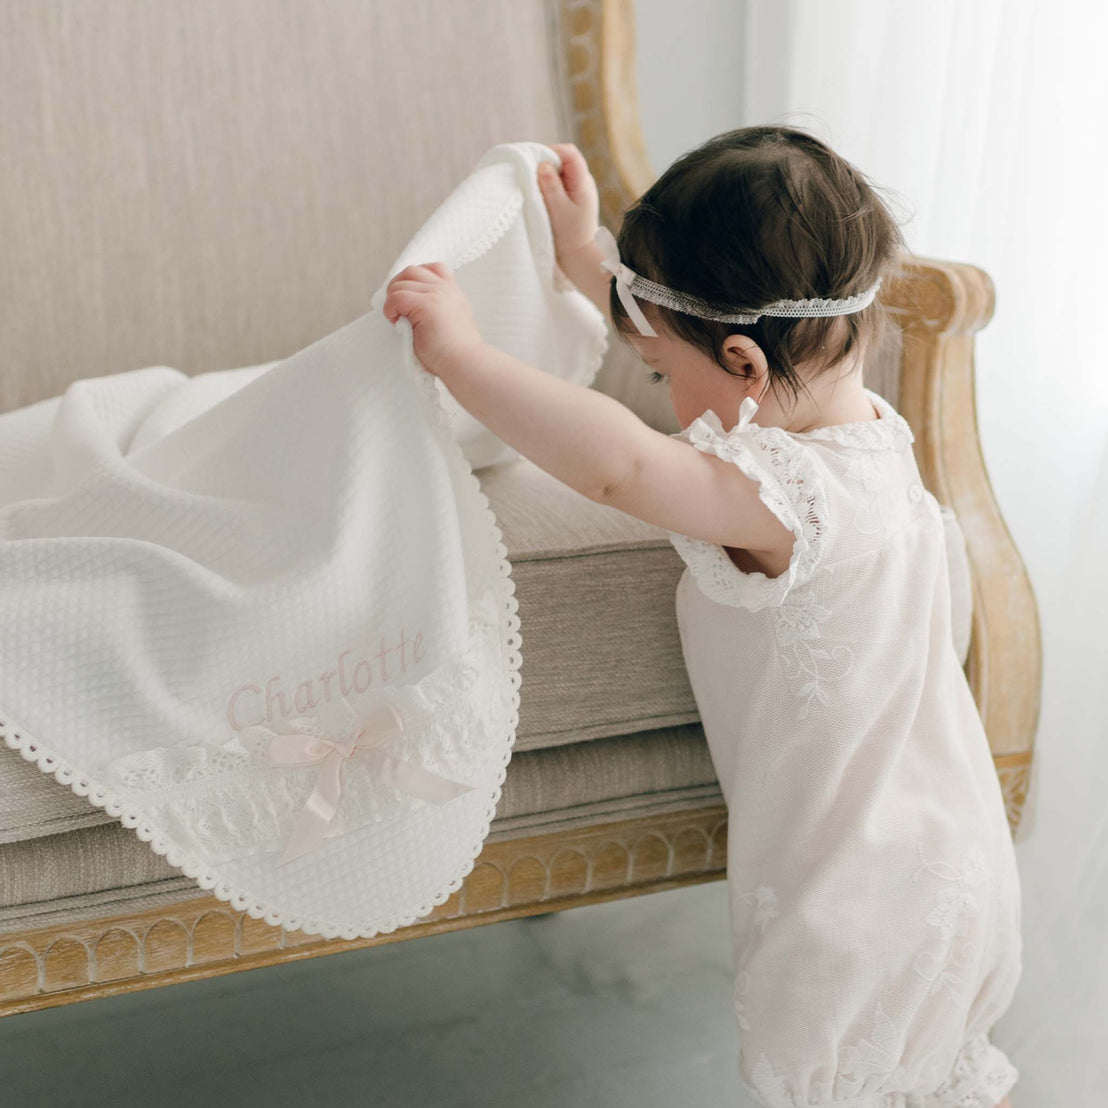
(873, 890)
(216, 591)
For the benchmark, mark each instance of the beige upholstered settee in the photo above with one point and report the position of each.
(217, 183)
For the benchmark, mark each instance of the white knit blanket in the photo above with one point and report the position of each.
(216, 590)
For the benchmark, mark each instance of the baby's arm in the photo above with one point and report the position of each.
(573, 204)
(578, 434)
(598, 446)
(586, 439)
(673, 485)
(582, 267)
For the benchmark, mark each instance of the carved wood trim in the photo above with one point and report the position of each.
(598, 43)
(940, 306)
(205, 937)
(1014, 771)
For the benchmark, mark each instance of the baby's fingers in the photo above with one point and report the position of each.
(401, 301)
(575, 170)
(419, 272)
(549, 180)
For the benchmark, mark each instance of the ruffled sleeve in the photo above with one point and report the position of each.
(789, 484)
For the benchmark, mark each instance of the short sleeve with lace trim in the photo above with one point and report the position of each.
(789, 484)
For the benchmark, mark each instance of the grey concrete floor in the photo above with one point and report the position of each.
(618, 1005)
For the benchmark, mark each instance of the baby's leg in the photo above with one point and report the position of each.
(1005, 1103)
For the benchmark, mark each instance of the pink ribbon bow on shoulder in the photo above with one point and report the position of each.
(373, 731)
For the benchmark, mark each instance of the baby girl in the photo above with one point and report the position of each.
(873, 891)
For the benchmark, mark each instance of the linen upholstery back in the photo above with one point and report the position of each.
(216, 183)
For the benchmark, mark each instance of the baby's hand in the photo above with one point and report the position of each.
(572, 200)
(442, 319)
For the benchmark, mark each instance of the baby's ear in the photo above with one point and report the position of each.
(745, 356)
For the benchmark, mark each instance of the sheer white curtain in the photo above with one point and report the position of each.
(988, 121)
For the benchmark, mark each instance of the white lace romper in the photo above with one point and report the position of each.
(874, 896)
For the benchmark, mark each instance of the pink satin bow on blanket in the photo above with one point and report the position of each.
(373, 731)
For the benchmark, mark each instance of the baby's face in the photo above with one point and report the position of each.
(697, 382)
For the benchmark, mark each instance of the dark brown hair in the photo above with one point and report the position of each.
(755, 215)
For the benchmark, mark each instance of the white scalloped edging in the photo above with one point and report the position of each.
(161, 843)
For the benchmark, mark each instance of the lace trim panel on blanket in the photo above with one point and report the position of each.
(228, 801)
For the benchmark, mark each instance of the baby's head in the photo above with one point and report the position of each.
(752, 216)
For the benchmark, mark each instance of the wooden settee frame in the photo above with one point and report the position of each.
(940, 306)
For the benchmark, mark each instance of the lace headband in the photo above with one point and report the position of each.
(629, 285)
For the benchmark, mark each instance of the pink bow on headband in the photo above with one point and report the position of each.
(373, 731)
(624, 275)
